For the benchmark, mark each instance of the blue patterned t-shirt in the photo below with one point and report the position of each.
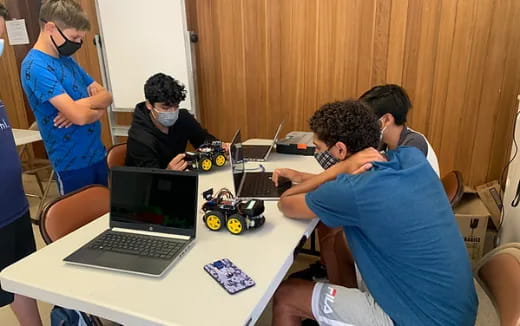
(45, 77)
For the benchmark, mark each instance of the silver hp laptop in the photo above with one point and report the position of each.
(249, 185)
(260, 153)
(153, 215)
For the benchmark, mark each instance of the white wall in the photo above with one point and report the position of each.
(510, 231)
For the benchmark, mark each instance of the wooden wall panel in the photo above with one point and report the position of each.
(263, 60)
(300, 66)
(29, 10)
(426, 58)
(10, 88)
(441, 75)
(494, 71)
(380, 42)
(473, 88)
(255, 45)
(365, 44)
(396, 41)
(273, 109)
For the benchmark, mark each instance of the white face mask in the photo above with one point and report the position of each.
(2, 44)
(167, 118)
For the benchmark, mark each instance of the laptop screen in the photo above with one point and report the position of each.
(155, 200)
(277, 133)
(237, 160)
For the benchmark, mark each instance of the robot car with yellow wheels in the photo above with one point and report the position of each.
(224, 210)
(206, 156)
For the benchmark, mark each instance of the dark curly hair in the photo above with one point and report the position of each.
(161, 88)
(388, 98)
(350, 122)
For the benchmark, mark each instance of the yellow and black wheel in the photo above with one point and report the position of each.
(214, 220)
(206, 164)
(220, 160)
(236, 224)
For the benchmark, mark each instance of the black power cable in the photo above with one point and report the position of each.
(516, 199)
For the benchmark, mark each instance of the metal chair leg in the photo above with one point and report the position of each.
(312, 251)
(39, 181)
(44, 197)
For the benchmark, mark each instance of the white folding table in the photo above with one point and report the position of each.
(186, 295)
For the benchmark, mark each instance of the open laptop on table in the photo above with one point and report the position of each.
(153, 215)
(249, 185)
(260, 153)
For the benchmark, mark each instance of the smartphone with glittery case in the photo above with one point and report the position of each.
(229, 276)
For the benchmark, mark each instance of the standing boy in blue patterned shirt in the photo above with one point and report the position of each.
(66, 101)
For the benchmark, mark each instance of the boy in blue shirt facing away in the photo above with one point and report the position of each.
(391, 104)
(412, 267)
(66, 101)
(16, 234)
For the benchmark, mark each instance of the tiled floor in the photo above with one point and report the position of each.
(486, 314)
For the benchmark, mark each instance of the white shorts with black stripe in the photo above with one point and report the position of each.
(334, 305)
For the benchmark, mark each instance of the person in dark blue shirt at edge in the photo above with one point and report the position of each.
(66, 101)
(16, 234)
(412, 267)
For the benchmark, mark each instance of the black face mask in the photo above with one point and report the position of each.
(69, 47)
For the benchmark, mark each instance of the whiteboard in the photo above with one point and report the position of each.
(140, 39)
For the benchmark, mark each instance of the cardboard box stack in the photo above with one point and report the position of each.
(472, 217)
(473, 212)
(491, 195)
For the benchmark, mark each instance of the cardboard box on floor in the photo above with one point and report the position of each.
(491, 195)
(472, 217)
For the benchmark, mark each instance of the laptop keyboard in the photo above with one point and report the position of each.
(260, 186)
(139, 245)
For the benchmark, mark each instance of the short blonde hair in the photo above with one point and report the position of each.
(65, 13)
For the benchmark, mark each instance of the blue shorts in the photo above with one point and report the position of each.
(69, 181)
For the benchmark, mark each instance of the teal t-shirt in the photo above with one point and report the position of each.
(44, 77)
(404, 239)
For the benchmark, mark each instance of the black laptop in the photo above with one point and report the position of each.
(260, 153)
(153, 215)
(248, 185)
